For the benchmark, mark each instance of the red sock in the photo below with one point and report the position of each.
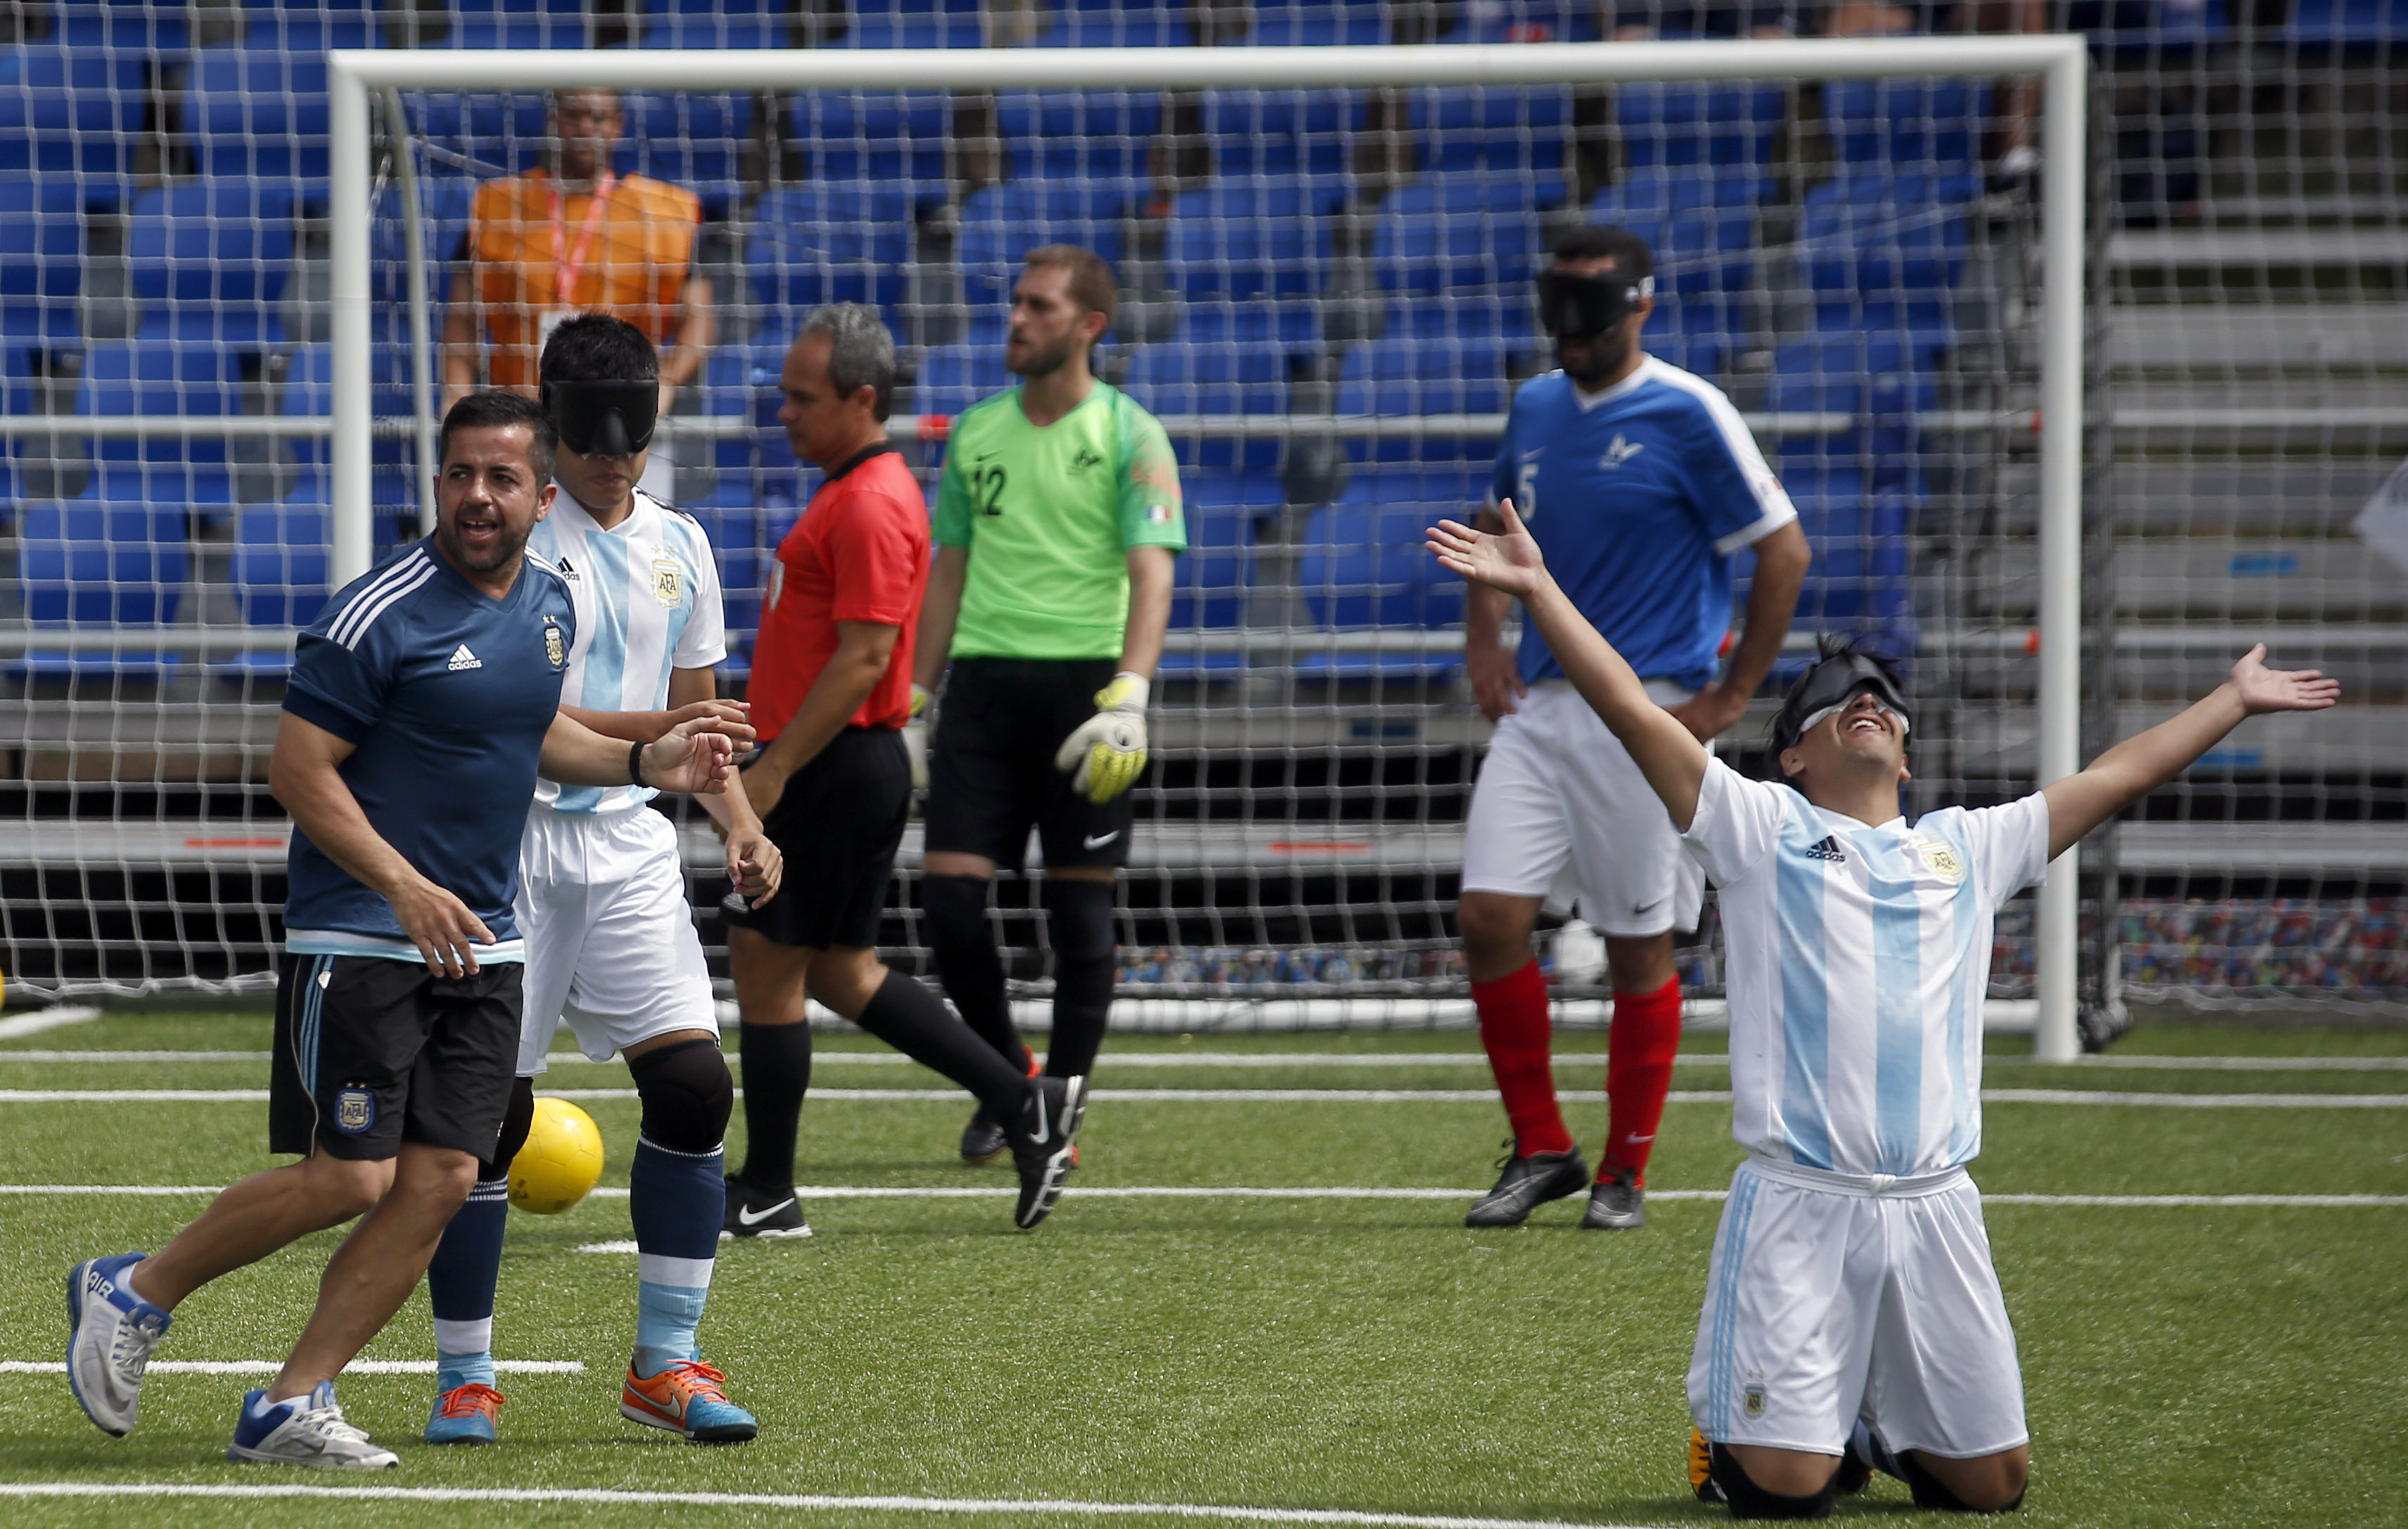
(1638, 1073)
(1515, 1030)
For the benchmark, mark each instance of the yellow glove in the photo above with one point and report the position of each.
(915, 735)
(1108, 750)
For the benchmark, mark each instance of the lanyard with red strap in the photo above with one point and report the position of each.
(567, 264)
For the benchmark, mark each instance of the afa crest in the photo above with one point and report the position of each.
(355, 1111)
(668, 581)
(1751, 1401)
(555, 647)
(1940, 859)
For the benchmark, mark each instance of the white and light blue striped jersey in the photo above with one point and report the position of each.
(1856, 959)
(646, 594)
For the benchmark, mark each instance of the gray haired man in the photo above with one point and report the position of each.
(831, 693)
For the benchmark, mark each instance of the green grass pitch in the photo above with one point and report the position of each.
(2198, 1365)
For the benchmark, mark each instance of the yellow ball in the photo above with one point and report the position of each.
(561, 1162)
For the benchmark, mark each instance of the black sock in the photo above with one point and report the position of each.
(1086, 962)
(777, 1061)
(915, 1021)
(967, 962)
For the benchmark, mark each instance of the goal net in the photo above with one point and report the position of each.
(1324, 242)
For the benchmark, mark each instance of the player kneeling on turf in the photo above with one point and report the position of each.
(1853, 1320)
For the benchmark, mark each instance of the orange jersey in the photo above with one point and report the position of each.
(628, 260)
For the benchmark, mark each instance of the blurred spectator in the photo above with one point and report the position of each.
(1631, 19)
(573, 236)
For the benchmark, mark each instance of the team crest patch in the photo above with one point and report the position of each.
(1940, 859)
(355, 1111)
(555, 647)
(1751, 1401)
(668, 581)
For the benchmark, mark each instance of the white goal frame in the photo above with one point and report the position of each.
(2061, 62)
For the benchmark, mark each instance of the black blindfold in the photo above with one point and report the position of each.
(1834, 682)
(1577, 306)
(610, 418)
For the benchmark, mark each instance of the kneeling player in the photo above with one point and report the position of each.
(602, 899)
(1853, 1320)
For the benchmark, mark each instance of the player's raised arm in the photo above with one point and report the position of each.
(2143, 763)
(1673, 759)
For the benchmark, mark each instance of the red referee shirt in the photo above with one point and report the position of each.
(859, 552)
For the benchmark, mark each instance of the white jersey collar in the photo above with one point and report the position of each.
(1644, 373)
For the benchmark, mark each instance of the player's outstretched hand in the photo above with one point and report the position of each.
(756, 866)
(1506, 561)
(2263, 689)
(693, 756)
(441, 925)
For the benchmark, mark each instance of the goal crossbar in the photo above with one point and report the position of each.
(2061, 62)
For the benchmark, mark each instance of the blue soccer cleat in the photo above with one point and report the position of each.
(688, 1398)
(110, 1334)
(465, 1414)
(306, 1431)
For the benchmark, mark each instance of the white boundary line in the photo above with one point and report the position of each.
(47, 1019)
(793, 1501)
(270, 1367)
(1207, 1061)
(1350, 1096)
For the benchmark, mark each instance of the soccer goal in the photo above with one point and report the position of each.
(1326, 253)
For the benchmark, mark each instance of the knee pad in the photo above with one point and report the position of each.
(518, 1116)
(686, 1094)
(1749, 1501)
(1932, 1492)
(956, 910)
(1078, 919)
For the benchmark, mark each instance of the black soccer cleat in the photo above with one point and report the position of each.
(1528, 1183)
(755, 1212)
(982, 1141)
(1615, 1203)
(1042, 1148)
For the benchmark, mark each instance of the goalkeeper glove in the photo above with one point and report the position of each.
(1108, 750)
(915, 735)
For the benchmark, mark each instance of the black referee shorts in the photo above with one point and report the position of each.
(991, 774)
(838, 825)
(371, 1052)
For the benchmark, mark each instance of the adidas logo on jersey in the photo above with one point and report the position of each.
(566, 571)
(1828, 850)
(462, 659)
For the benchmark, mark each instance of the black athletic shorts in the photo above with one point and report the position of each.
(371, 1052)
(991, 774)
(839, 826)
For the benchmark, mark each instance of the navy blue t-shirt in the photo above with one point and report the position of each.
(1639, 496)
(445, 693)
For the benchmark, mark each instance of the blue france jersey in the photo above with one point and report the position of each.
(1856, 959)
(1639, 496)
(646, 594)
(446, 695)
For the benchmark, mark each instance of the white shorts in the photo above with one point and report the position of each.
(1561, 812)
(1831, 1301)
(611, 942)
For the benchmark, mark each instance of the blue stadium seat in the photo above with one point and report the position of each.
(1661, 192)
(915, 24)
(1409, 378)
(954, 377)
(1933, 126)
(74, 112)
(1463, 229)
(159, 378)
(839, 241)
(1468, 313)
(1000, 224)
(159, 28)
(1246, 238)
(497, 134)
(1365, 567)
(716, 23)
(1280, 133)
(309, 393)
(257, 110)
(280, 565)
(1860, 579)
(2364, 26)
(1525, 21)
(41, 261)
(1118, 24)
(1224, 510)
(520, 24)
(1890, 238)
(1289, 324)
(208, 261)
(1522, 130)
(2140, 30)
(740, 382)
(1724, 125)
(688, 138)
(1214, 377)
(874, 134)
(443, 204)
(1062, 134)
(101, 558)
(1871, 378)
(1319, 24)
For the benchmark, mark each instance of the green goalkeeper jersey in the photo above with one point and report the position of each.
(1048, 516)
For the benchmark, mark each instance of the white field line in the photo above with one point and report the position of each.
(791, 1500)
(269, 1366)
(47, 1019)
(1354, 1097)
(1237, 1059)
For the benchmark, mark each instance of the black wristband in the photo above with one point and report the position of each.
(635, 764)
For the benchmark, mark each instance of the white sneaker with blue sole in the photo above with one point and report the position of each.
(306, 1431)
(110, 1334)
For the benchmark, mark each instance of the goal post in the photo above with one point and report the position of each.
(356, 80)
